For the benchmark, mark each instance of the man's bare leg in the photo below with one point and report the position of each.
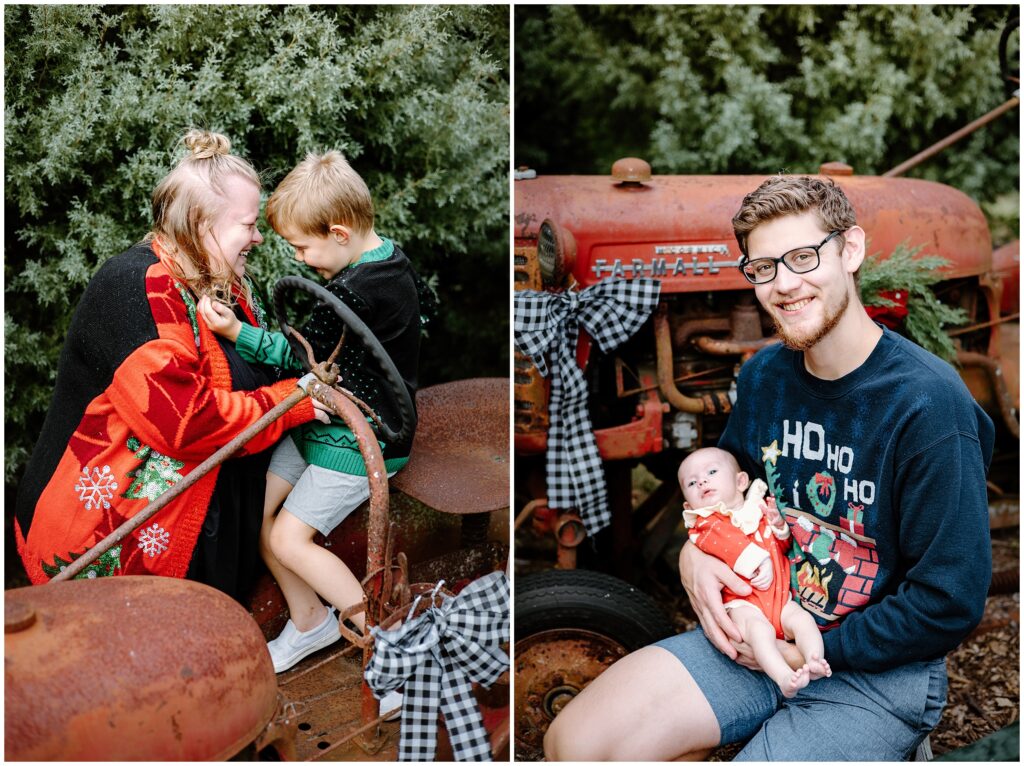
(645, 707)
(760, 634)
(798, 624)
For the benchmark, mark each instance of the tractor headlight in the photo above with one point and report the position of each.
(556, 252)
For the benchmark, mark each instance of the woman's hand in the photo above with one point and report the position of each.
(703, 577)
(321, 411)
(220, 318)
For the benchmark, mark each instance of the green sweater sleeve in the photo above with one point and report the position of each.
(257, 345)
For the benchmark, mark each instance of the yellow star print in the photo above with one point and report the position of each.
(771, 453)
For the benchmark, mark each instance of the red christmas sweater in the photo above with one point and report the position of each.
(143, 396)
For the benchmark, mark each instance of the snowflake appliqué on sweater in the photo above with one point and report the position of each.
(154, 540)
(155, 476)
(96, 487)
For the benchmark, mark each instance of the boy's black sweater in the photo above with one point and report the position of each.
(384, 294)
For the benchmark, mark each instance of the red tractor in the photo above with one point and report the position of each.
(669, 389)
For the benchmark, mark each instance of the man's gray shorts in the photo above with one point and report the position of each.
(850, 716)
(320, 497)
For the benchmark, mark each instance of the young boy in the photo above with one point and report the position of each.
(324, 210)
(750, 536)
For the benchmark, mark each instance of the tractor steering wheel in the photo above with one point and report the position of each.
(395, 386)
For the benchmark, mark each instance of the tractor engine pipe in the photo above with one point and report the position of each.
(666, 377)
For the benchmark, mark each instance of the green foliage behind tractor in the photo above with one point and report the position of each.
(97, 96)
(749, 89)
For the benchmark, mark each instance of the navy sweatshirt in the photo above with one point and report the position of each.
(881, 476)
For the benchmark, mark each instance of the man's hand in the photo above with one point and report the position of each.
(220, 318)
(789, 652)
(763, 575)
(703, 577)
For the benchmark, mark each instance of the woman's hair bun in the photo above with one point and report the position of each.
(204, 144)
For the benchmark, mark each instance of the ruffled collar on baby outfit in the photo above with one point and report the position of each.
(747, 517)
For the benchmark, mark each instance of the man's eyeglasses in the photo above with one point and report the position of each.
(799, 261)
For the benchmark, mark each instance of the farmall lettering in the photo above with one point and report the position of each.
(701, 261)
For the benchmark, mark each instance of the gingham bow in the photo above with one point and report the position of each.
(546, 329)
(437, 656)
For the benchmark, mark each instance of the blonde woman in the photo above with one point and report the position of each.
(145, 392)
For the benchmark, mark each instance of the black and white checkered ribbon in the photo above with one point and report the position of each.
(437, 656)
(546, 329)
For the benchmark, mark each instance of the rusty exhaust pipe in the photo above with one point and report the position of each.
(666, 378)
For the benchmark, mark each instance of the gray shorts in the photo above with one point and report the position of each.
(320, 497)
(850, 716)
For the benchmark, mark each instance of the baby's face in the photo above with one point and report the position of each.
(708, 477)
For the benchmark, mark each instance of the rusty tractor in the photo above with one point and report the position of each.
(158, 669)
(666, 391)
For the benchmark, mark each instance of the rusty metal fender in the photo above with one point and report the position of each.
(132, 668)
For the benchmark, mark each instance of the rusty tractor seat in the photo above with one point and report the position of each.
(460, 455)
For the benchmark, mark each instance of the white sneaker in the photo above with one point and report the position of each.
(390, 701)
(293, 644)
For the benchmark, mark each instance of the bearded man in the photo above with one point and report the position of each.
(876, 455)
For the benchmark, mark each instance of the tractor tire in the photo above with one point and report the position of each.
(570, 626)
(589, 601)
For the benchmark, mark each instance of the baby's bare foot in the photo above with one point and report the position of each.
(818, 668)
(794, 683)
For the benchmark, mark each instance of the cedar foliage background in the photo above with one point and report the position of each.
(97, 97)
(762, 89)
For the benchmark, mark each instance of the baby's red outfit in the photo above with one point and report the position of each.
(741, 538)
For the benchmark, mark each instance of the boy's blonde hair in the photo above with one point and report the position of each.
(320, 191)
(186, 202)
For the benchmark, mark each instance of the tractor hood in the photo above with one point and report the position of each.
(678, 228)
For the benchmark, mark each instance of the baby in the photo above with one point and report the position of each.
(750, 536)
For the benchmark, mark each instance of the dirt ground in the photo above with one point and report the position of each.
(984, 672)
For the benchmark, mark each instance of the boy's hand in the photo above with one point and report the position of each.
(763, 575)
(220, 318)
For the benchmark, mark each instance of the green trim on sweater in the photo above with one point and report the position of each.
(325, 446)
(382, 252)
(265, 347)
(331, 446)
